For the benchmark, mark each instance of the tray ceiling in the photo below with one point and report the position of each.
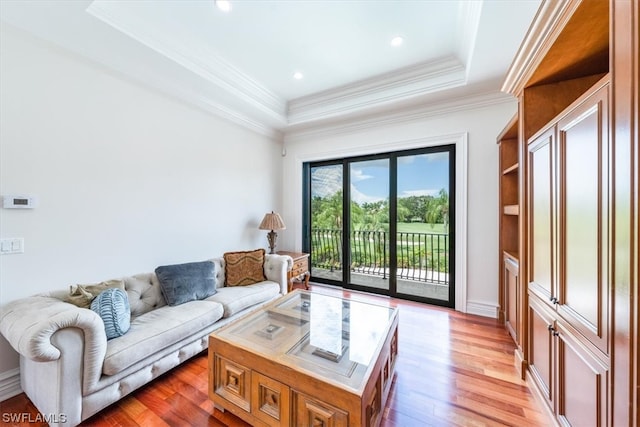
(240, 64)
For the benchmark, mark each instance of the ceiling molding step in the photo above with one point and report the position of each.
(197, 59)
(549, 20)
(239, 119)
(468, 24)
(406, 83)
(407, 115)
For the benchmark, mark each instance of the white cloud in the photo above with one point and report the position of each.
(326, 181)
(359, 175)
(418, 193)
(361, 198)
(430, 157)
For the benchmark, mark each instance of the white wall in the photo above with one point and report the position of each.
(127, 178)
(481, 125)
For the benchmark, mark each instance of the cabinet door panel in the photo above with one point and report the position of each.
(541, 347)
(582, 384)
(512, 291)
(584, 216)
(540, 215)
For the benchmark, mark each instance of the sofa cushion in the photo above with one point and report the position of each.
(236, 298)
(244, 268)
(112, 306)
(83, 295)
(181, 283)
(158, 329)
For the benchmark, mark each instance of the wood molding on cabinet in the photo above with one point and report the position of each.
(576, 77)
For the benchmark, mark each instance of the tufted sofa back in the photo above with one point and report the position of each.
(219, 269)
(144, 293)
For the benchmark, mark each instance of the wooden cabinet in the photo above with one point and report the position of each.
(577, 79)
(568, 246)
(300, 269)
(572, 378)
(512, 299)
(569, 215)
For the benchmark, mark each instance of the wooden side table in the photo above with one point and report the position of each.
(300, 270)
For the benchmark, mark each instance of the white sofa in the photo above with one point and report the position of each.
(69, 369)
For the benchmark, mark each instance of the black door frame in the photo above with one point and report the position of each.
(393, 197)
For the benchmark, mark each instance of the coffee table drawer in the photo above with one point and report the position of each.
(308, 411)
(233, 382)
(269, 400)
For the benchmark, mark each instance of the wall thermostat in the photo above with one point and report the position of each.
(19, 202)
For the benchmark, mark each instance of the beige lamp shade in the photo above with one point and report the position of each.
(272, 221)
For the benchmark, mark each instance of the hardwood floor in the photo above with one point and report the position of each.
(453, 369)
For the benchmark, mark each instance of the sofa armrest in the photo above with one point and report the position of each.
(29, 323)
(276, 268)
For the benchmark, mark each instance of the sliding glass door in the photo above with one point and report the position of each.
(369, 223)
(326, 218)
(384, 223)
(423, 226)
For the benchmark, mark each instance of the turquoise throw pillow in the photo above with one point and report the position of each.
(112, 306)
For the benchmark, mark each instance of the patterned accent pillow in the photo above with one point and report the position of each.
(112, 306)
(244, 268)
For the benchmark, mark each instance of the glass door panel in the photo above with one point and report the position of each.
(384, 223)
(369, 223)
(423, 223)
(326, 222)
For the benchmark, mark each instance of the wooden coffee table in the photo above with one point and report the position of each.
(306, 359)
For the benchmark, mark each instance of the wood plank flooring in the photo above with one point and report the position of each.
(452, 370)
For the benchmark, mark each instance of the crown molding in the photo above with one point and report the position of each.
(399, 85)
(240, 119)
(545, 28)
(415, 113)
(194, 57)
(468, 24)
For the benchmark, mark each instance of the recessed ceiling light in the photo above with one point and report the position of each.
(223, 5)
(298, 75)
(396, 41)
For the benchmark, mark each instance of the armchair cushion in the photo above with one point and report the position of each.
(181, 283)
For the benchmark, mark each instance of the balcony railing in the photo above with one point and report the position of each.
(421, 257)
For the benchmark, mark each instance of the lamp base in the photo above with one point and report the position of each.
(271, 237)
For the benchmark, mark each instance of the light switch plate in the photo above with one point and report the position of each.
(13, 245)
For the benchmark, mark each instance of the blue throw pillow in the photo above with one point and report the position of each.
(112, 306)
(181, 283)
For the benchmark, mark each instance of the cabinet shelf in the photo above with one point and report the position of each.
(511, 210)
(511, 169)
(514, 255)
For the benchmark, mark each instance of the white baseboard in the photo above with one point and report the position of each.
(10, 384)
(482, 309)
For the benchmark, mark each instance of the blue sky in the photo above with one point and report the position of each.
(419, 175)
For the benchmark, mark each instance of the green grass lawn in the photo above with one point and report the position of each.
(420, 227)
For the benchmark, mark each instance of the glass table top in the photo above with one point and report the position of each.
(330, 337)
